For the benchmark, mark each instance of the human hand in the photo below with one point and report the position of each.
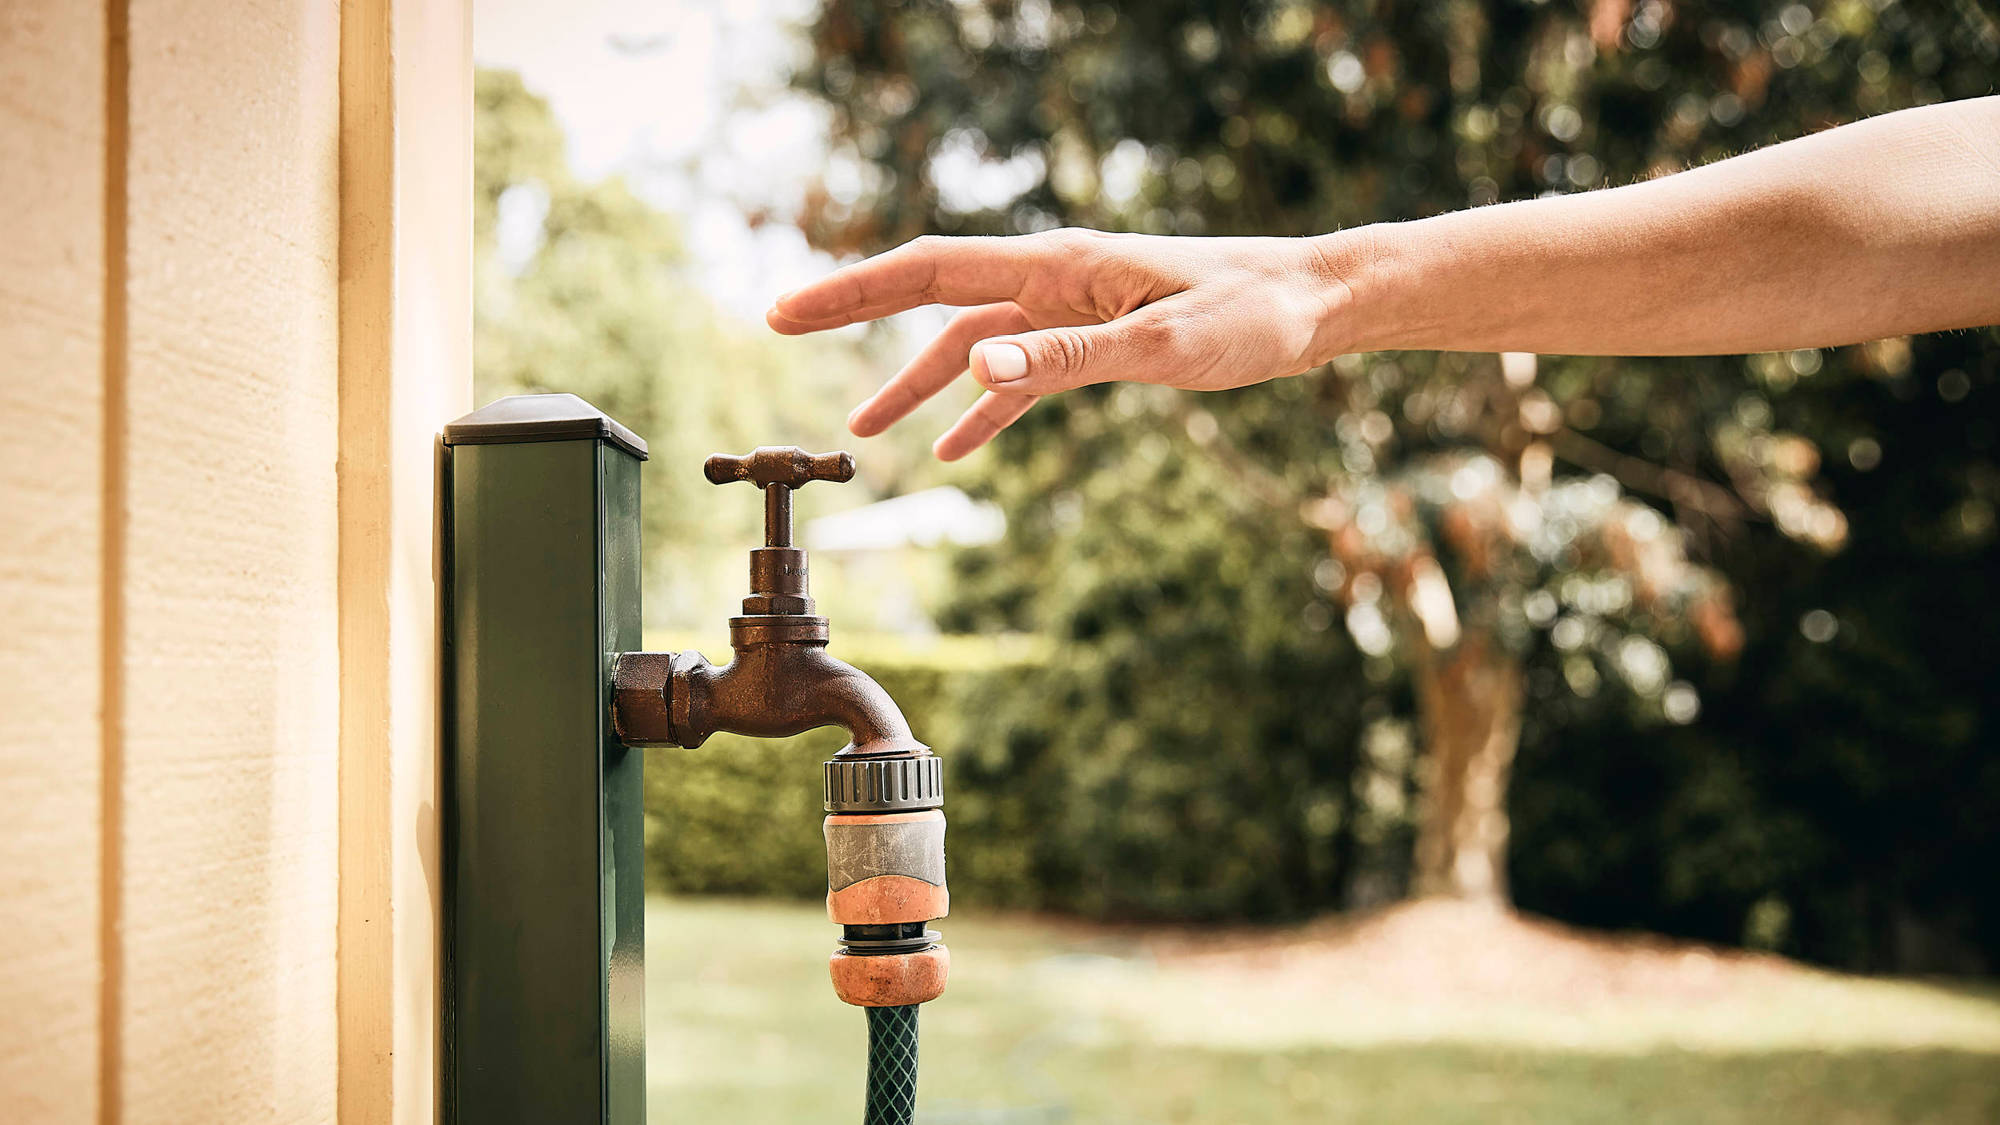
(1069, 308)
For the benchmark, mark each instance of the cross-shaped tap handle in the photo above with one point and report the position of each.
(786, 466)
(780, 464)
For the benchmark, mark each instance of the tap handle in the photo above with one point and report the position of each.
(780, 464)
(786, 466)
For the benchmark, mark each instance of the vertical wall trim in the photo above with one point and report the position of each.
(405, 332)
(367, 308)
(111, 725)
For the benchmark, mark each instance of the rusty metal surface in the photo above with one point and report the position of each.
(639, 698)
(779, 579)
(786, 465)
(774, 688)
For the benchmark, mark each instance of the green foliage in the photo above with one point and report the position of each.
(593, 298)
(1085, 810)
(1845, 785)
(1844, 780)
(1194, 728)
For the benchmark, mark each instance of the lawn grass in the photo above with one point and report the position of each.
(1049, 1022)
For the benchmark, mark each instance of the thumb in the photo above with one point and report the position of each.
(1143, 347)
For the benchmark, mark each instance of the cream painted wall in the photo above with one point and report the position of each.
(51, 548)
(233, 312)
(227, 837)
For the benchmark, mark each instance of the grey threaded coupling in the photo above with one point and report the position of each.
(896, 784)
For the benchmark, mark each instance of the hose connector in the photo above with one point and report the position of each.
(885, 878)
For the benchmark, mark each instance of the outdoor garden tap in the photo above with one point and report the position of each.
(781, 681)
(883, 791)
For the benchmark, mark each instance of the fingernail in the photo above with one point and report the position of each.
(1004, 362)
(783, 297)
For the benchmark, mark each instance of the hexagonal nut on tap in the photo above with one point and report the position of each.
(640, 684)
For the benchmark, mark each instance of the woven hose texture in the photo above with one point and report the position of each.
(892, 1065)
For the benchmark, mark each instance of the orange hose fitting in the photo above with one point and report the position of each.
(887, 899)
(889, 980)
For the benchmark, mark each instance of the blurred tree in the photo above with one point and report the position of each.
(1569, 595)
(1451, 564)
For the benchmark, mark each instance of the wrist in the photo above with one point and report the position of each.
(1354, 274)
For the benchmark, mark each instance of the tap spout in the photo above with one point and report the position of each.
(774, 687)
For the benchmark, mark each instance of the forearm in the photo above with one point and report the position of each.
(1883, 227)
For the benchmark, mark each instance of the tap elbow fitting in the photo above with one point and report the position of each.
(772, 689)
(842, 695)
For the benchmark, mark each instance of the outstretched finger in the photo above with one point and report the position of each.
(932, 270)
(991, 414)
(933, 368)
(1152, 345)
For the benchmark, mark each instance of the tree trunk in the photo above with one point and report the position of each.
(1469, 711)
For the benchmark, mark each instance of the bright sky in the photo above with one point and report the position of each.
(685, 98)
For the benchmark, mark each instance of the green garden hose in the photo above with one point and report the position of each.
(892, 1066)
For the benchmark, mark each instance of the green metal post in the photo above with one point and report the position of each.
(544, 1008)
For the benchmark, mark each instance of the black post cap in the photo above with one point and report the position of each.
(559, 417)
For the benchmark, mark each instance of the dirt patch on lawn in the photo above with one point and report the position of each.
(1446, 950)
